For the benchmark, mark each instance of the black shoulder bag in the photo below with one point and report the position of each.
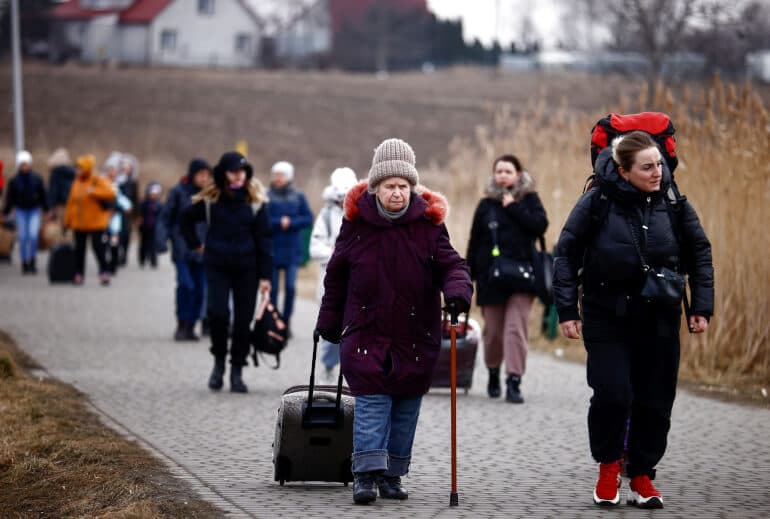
(513, 274)
(661, 285)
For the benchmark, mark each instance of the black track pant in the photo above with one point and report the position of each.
(147, 250)
(243, 285)
(97, 244)
(633, 361)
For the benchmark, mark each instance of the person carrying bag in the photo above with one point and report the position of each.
(501, 254)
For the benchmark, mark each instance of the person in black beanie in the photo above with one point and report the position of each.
(190, 271)
(238, 257)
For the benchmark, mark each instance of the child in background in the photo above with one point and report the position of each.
(325, 231)
(122, 205)
(149, 210)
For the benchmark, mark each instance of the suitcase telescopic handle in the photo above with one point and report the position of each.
(338, 402)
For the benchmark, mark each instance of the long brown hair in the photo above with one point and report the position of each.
(256, 193)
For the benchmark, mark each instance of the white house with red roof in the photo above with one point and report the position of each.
(185, 33)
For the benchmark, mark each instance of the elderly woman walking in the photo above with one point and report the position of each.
(382, 302)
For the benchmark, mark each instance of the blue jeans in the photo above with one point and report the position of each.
(383, 433)
(190, 287)
(330, 353)
(290, 283)
(27, 229)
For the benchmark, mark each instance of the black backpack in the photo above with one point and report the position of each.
(268, 333)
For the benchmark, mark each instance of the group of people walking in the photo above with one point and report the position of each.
(387, 260)
(393, 259)
(92, 206)
(229, 247)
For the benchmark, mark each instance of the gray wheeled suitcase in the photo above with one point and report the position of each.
(314, 432)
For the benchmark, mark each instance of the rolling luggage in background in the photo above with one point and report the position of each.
(468, 331)
(61, 263)
(314, 432)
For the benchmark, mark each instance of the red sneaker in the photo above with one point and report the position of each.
(643, 494)
(607, 491)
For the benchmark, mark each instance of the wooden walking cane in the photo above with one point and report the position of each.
(453, 498)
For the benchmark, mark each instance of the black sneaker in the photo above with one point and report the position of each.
(364, 488)
(390, 488)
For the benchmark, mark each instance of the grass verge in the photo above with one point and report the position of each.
(58, 460)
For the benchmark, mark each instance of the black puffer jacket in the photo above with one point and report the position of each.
(26, 191)
(238, 236)
(604, 246)
(519, 224)
(59, 184)
(170, 221)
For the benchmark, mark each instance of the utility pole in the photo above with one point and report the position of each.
(18, 100)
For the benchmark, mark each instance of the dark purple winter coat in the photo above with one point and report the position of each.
(382, 293)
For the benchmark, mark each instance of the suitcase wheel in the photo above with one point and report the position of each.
(466, 390)
(282, 482)
(347, 483)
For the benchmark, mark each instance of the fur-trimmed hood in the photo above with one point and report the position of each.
(523, 187)
(432, 205)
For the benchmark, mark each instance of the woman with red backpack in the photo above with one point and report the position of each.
(634, 249)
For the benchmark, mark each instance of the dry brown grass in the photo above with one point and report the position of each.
(319, 121)
(723, 134)
(58, 460)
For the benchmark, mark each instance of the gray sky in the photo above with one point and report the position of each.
(479, 18)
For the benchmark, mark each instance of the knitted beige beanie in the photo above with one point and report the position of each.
(393, 158)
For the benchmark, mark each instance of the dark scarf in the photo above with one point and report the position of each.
(391, 215)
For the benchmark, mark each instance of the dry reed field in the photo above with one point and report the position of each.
(723, 135)
(319, 121)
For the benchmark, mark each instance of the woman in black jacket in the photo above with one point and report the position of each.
(27, 198)
(505, 225)
(238, 257)
(623, 234)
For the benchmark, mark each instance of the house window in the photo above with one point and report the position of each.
(243, 43)
(206, 7)
(168, 39)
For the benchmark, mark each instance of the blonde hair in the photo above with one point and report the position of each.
(256, 193)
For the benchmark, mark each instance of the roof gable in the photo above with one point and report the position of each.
(143, 11)
(139, 12)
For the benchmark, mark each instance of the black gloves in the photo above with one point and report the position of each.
(318, 334)
(456, 306)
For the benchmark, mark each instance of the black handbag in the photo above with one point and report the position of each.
(514, 274)
(268, 333)
(661, 285)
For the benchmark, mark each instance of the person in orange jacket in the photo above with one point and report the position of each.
(87, 213)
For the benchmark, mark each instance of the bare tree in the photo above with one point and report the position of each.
(655, 27)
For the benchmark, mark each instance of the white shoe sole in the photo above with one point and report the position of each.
(607, 502)
(638, 501)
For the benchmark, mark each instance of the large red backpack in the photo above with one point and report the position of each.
(661, 129)
(657, 124)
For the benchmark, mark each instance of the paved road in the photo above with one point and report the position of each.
(115, 345)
